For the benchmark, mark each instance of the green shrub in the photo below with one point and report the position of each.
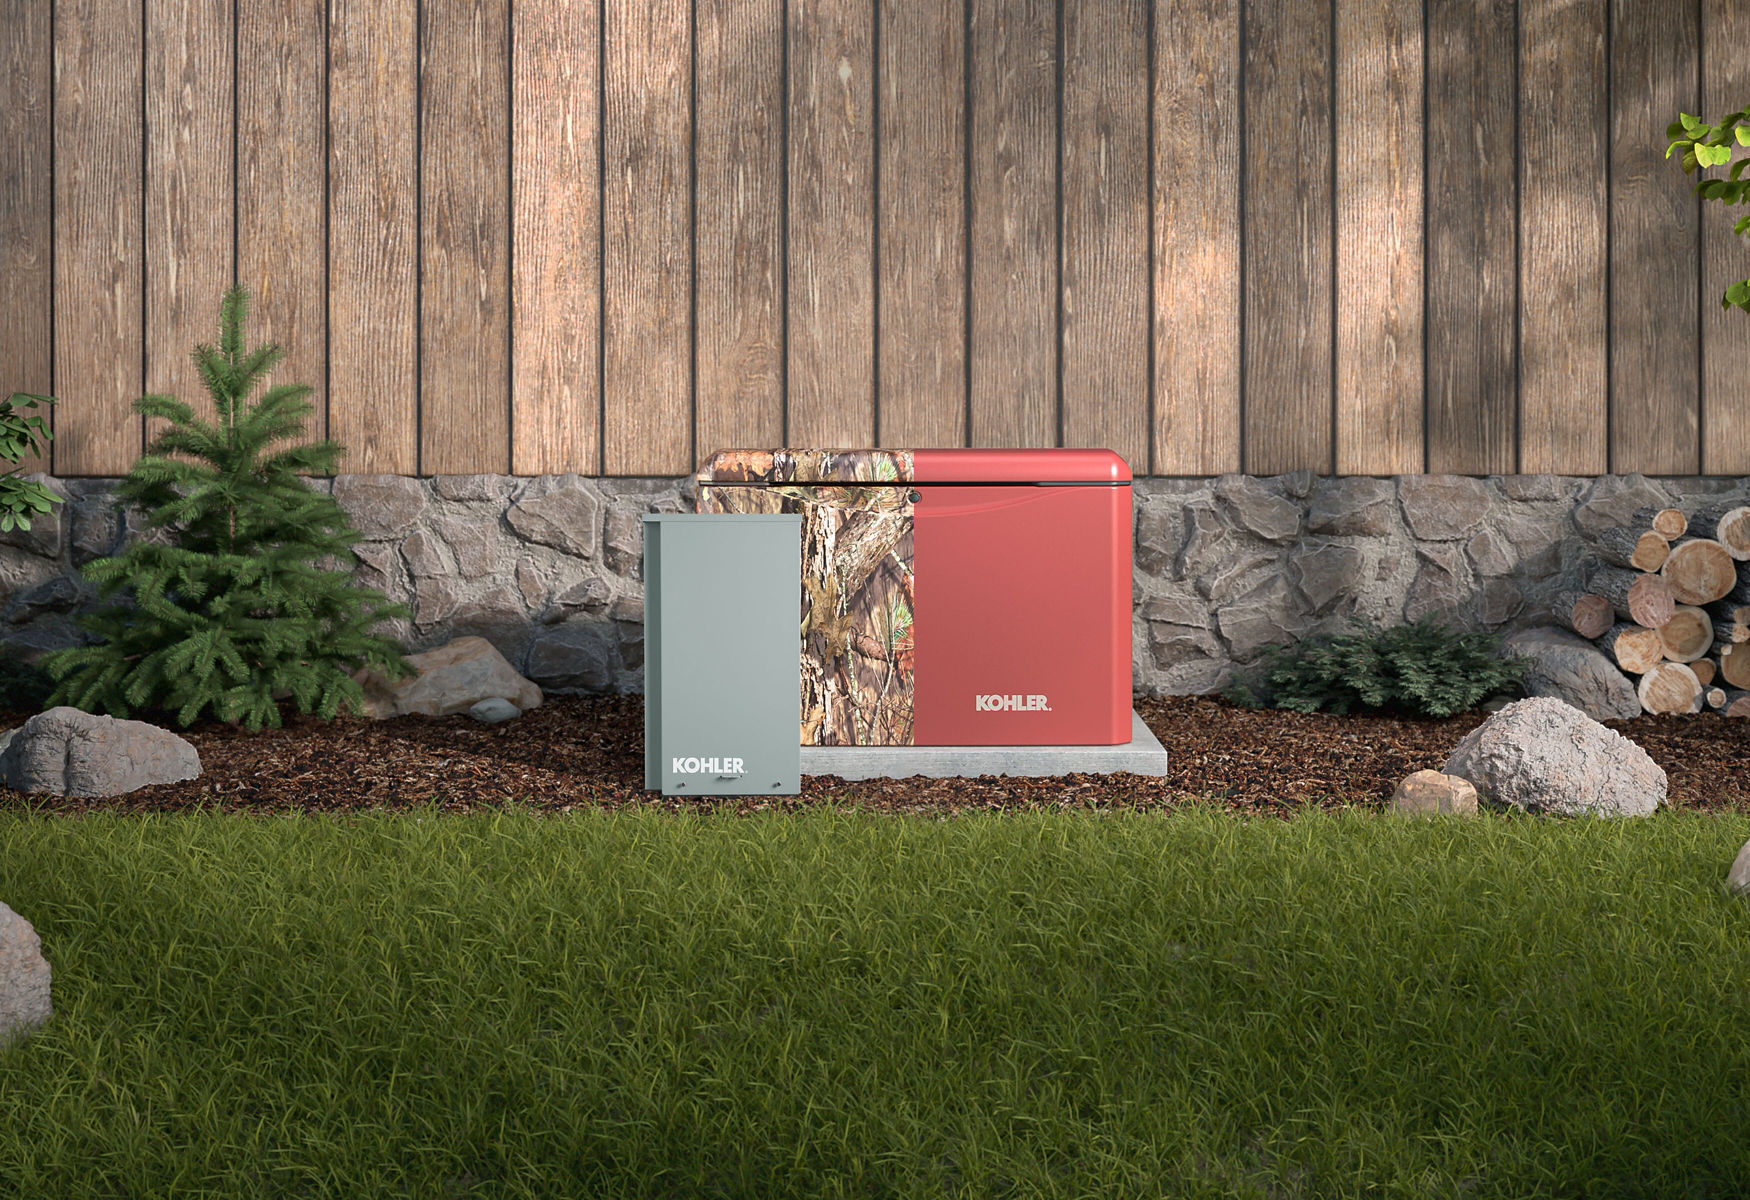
(24, 687)
(20, 499)
(236, 606)
(1424, 669)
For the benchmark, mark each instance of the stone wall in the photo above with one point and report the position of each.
(549, 568)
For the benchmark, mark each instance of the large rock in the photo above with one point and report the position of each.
(450, 679)
(24, 978)
(1737, 878)
(1543, 755)
(1572, 669)
(67, 752)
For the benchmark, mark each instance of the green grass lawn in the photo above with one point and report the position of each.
(843, 1005)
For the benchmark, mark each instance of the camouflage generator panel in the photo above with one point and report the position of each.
(857, 579)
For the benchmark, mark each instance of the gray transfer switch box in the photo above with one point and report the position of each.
(722, 667)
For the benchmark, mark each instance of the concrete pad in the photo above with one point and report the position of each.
(1142, 755)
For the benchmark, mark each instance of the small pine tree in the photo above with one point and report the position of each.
(234, 606)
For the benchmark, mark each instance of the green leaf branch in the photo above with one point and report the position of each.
(1705, 146)
(21, 499)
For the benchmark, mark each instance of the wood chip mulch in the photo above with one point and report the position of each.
(581, 752)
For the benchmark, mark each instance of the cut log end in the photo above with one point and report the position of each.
(1634, 648)
(1667, 522)
(1730, 527)
(1713, 697)
(1705, 669)
(1586, 613)
(1699, 571)
(1644, 599)
(1624, 547)
(1736, 703)
(1670, 687)
(1735, 664)
(1688, 635)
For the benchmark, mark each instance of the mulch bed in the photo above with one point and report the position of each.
(576, 752)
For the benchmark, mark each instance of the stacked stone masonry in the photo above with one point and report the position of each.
(549, 568)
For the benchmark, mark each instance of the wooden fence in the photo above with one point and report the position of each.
(611, 236)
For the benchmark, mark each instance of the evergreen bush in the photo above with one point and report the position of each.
(1423, 669)
(234, 604)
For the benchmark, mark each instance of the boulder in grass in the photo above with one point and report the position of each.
(1546, 756)
(24, 978)
(1738, 878)
(67, 752)
(1426, 793)
(451, 679)
(1570, 668)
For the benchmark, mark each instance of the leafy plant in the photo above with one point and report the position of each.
(24, 686)
(1425, 669)
(232, 607)
(21, 435)
(1706, 146)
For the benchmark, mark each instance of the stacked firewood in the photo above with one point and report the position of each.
(1668, 599)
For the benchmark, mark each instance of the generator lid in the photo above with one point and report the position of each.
(915, 466)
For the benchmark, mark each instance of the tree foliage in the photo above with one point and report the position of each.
(233, 598)
(20, 499)
(1705, 146)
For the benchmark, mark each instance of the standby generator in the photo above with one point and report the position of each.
(952, 597)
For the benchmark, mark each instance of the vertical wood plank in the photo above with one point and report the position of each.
(26, 200)
(739, 242)
(1106, 227)
(190, 218)
(647, 248)
(1654, 328)
(1014, 342)
(373, 310)
(464, 292)
(1725, 257)
(1471, 236)
(923, 224)
(555, 396)
(1564, 153)
(1379, 237)
(281, 243)
(832, 224)
(1197, 237)
(98, 240)
(1288, 228)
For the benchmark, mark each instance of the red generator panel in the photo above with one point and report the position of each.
(952, 597)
